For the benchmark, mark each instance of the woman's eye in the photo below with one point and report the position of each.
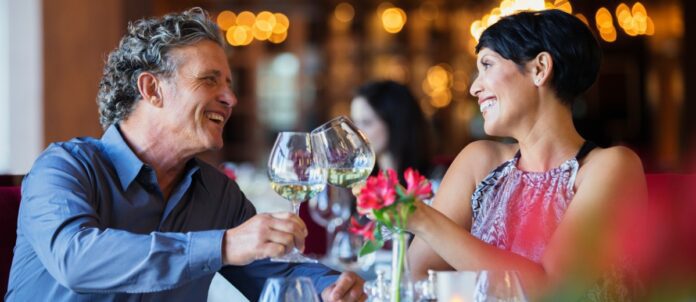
(485, 65)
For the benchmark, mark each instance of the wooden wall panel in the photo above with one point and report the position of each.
(78, 34)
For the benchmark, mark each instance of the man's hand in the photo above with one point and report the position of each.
(348, 287)
(262, 236)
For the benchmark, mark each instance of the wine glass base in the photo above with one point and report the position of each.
(294, 258)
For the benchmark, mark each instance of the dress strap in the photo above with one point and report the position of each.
(587, 146)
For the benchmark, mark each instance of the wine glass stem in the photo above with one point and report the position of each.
(296, 206)
(296, 209)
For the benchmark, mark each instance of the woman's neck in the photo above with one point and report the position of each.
(549, 141)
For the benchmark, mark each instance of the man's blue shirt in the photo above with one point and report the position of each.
(93, 225)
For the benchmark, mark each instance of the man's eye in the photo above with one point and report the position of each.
(210, 80)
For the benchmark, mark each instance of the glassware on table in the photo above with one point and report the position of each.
(426, 289)
(498, 286)
(331, 208)
(348, 159)
(296, 173)
(288, 289)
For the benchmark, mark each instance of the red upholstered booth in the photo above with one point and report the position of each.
(9, 206)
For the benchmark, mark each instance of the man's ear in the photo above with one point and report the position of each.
(542, 67)
(149, 88)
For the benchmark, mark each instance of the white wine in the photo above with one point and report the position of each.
(297, 191)
(347, 177)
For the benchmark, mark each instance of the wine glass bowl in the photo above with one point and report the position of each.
(348, 156)
(288, 289)
(348, 159)
(296, 173)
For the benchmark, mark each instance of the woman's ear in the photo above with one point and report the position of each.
(149, 88)
(542, 67)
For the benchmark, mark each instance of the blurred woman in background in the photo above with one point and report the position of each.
(389, 114)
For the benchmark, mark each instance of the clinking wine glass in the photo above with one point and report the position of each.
(296, 173)
(349, 159)
(348, 156)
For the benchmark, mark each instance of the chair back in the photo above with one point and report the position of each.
(9, 207)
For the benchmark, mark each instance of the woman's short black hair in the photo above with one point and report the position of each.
(574, 49)
(409, 133)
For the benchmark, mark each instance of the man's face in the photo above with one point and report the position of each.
(197, 100)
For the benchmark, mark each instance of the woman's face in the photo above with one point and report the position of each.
(505, 93)
(369, 122)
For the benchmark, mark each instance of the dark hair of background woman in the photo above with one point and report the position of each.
(409, 141)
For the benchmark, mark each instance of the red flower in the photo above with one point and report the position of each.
(366, 231)
(417, 184)
(378, 192)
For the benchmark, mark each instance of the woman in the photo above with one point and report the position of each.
(395, 126)
(529, 206)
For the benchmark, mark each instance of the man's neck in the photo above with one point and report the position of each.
(154, 149)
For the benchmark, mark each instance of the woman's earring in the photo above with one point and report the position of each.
(537, 81)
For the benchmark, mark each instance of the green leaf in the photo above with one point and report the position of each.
(405, 212)
(400, 191)
(370, 247)
(378, 232)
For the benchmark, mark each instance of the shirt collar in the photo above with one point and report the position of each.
(126, 163)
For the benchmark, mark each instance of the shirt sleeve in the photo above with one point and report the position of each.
(58, 219)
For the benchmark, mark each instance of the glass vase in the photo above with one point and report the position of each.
(401, 285)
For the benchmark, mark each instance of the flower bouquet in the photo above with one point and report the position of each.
(389, 205)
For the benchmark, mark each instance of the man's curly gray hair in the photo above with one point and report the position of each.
(146, 47)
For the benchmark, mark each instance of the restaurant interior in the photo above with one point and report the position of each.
(297, 63)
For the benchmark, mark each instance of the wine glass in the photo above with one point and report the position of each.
(348, 159)
(296, 174)
(331, 208)
(288, 289)
(498, 286)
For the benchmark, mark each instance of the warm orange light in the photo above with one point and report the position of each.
(282, 23)
(476, 29)
(225, 19)
(393, 19)
(265, 21)
(260, 34)
(344, 12)
(563, 5)
(603, 18)
(609, 36)
(239, 35)
(278, 38)
(638, 10)
(650, 29)
(441, 99)
(246, 18)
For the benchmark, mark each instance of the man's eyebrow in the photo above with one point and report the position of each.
(216, 73)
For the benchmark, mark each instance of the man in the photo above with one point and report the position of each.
(134, 216)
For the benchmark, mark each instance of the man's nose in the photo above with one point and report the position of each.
(228, 98)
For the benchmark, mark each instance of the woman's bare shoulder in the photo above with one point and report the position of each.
(613, 165)
(480, 157)
(617, 158)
